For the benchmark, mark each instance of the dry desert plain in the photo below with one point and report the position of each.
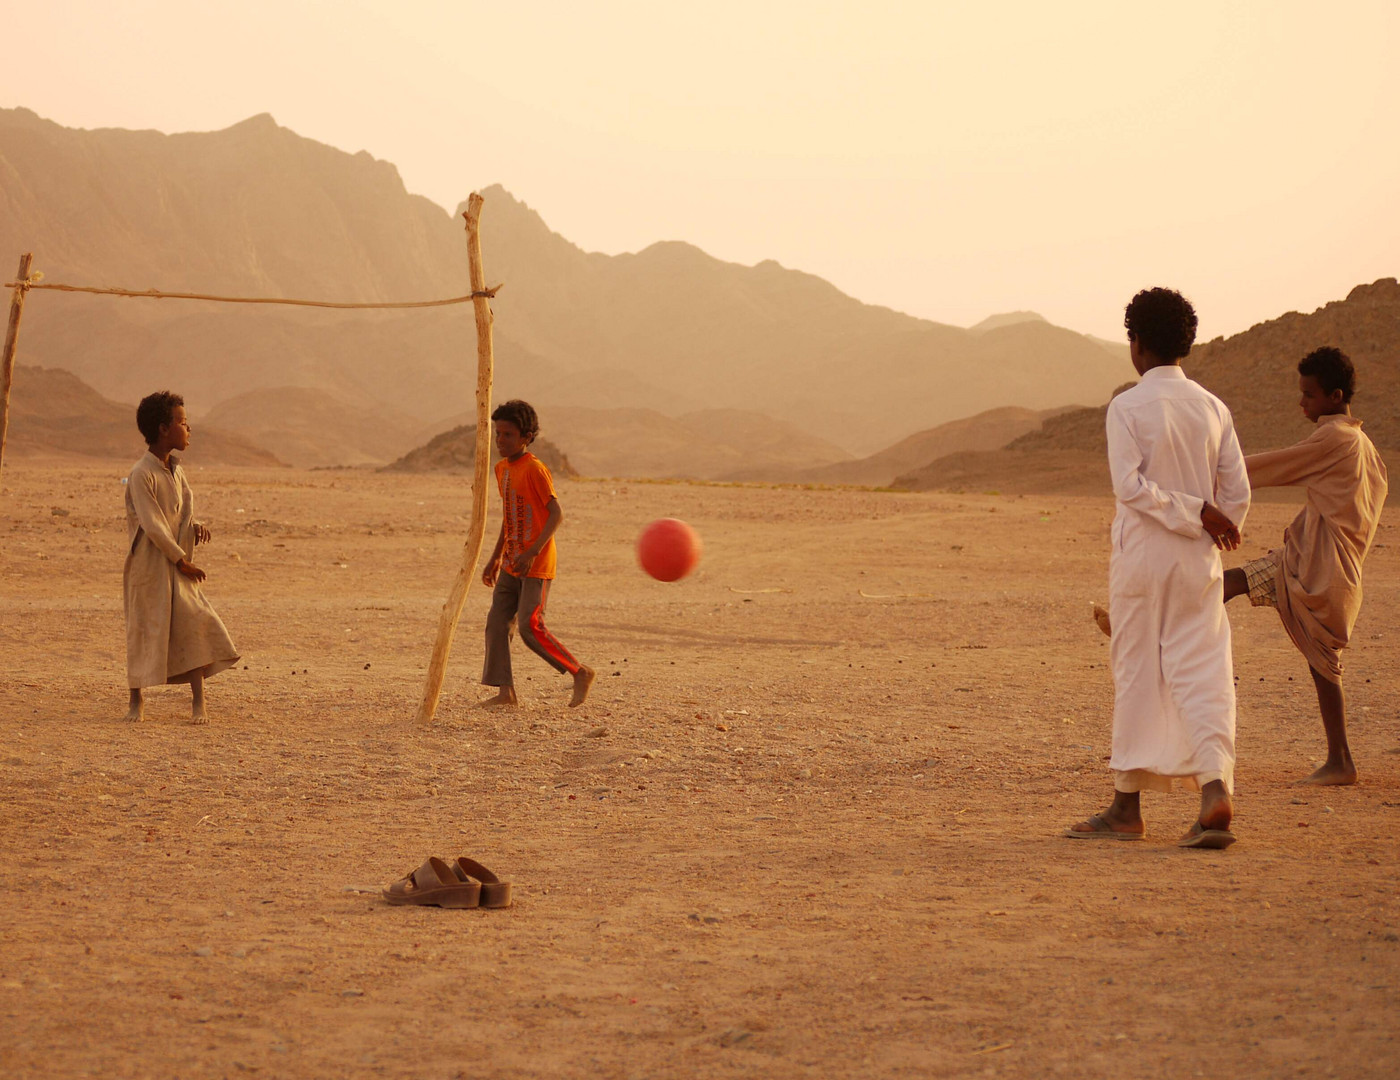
(807, 825)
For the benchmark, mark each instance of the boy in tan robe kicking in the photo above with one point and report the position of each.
(1314, 580)
(173, 635)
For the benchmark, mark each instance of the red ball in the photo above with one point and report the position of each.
(668, 549)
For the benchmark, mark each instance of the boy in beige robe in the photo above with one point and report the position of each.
(1314, 580)
(173, 634)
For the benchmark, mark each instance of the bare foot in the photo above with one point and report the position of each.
(1332, 774)
(135, 708)
(583, 679)
(199, 716)
(503, 700)
(1101, 618)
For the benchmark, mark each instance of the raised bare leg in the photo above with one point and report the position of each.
(583, 679)
(1338, 770)
(135, 707)
(198, 713)
(505, 698)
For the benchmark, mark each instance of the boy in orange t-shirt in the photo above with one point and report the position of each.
(521, 567)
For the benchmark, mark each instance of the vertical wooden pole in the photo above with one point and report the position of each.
(7, 359)
(476, 533)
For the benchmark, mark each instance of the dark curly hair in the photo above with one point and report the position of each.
(1162, 321)
(1332, 369)
(520, 413)
(156, 409)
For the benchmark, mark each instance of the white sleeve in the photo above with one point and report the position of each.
(1231, 476)
(1173, 510)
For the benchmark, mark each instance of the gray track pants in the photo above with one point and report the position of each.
(522, 599)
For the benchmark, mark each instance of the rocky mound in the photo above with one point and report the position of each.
(54, 412)
(455, 452)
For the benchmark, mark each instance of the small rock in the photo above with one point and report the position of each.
(596, 733)
(58, 511)
(352, 993)
(204, 950)
(735, 1037)
(1328, 810)
(648, 754)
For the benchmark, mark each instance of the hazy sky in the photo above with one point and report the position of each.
(948, 160)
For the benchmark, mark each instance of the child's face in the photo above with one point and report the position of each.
(176, 434)
(510, 444)
(1315, 401)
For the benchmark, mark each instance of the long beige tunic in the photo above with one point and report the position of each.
(172, 632)
(1319, 578)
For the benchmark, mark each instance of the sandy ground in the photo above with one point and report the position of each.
(818, 834)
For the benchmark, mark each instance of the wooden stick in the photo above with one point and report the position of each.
(471, 551)
(7, 359)
(156, 294)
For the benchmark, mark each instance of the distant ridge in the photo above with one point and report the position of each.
(1254, 373)
(53, 412)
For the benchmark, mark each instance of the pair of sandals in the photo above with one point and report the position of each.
(464, 883)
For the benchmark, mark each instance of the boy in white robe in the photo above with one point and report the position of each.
(173, 635)
(1182, 493)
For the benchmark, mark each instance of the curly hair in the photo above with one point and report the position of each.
(1162, 321)
(154, 411)
(1332, 369)
(520, 413)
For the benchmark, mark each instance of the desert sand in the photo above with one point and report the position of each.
(806, 826)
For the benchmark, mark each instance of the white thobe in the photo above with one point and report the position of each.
(1171, 448)
(172, 631)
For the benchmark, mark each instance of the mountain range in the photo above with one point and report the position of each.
(257, 210)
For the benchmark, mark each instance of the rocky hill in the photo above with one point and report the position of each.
(1254, 373)
(258, 210)
(454, 451)
(53, 412)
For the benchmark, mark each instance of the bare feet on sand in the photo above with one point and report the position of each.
(583, 679)
(503, 700)
(1101, 618)
(135, 713)
(1333, 774)
(199, 716)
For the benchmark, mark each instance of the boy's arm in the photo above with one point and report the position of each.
(152, 518)
(1231, 478)
(1173, 510)
(492, 568)
(1292, 466)
(552, 522)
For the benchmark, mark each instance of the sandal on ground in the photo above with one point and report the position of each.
(495, 893)
(1198, 836)
(434, 883)
(1100, 829)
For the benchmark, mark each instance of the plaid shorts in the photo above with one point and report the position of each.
(1262, 576)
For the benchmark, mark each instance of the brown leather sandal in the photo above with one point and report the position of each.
(434, 883)
(495, 893)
